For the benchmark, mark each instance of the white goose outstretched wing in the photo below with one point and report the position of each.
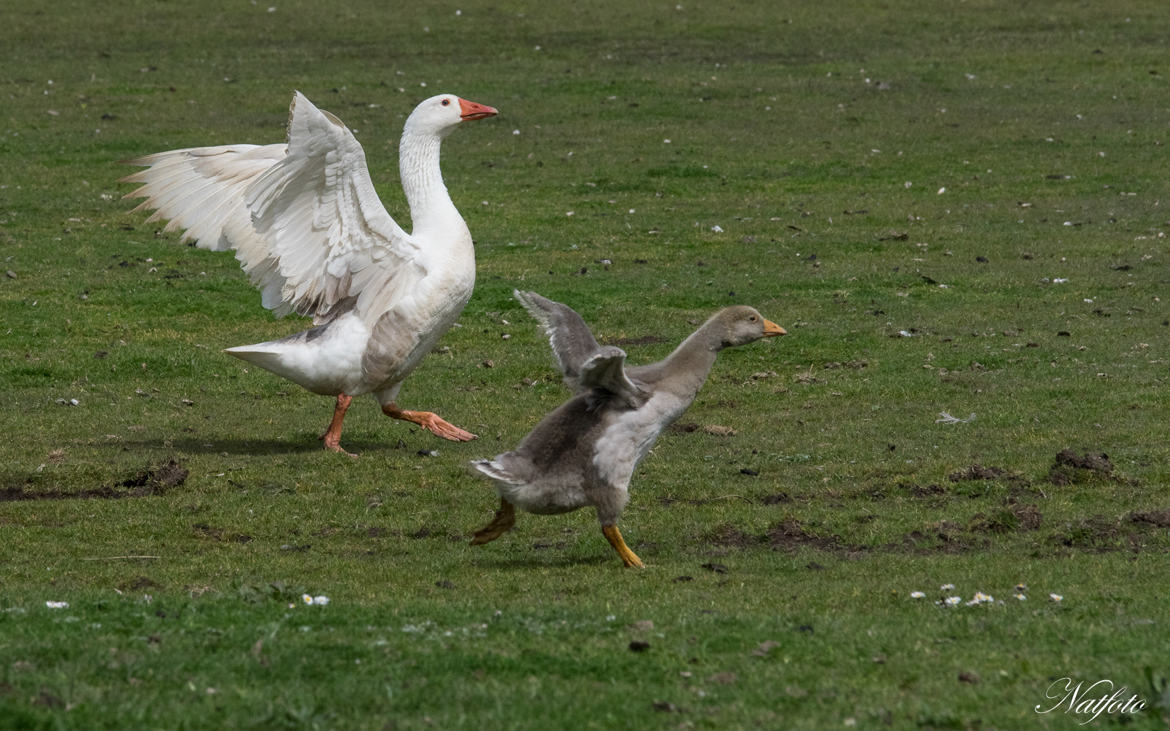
(303, 218)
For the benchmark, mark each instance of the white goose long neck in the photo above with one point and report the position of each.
(431, 208)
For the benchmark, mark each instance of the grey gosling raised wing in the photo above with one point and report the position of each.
(307, 226)
(585, 451)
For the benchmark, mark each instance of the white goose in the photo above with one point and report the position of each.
(307, 226)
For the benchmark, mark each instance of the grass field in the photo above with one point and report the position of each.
(954, 207)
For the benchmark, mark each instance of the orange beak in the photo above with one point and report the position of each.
(469, 111)
(771, 329)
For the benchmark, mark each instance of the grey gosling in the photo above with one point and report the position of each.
(585, 451)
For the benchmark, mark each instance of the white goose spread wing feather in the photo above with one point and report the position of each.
(304, 218)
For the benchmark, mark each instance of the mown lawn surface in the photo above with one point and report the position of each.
(954, 209)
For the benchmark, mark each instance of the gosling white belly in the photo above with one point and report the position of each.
(629, 435)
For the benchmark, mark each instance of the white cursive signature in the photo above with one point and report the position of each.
(1078, 699)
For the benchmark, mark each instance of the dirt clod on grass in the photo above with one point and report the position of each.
(203, 530)
(1134, 532)
(45, 699)
(158, 479)
(921, 491)
(1018, 518)
(138, 583)
(786, 535)
(790, 535)
(1159, 518)
(1093, 533)
(1070, 469)
(726, 534)
(151, 480)
(941, 537)
(765, 648)
(978, 472)
(776, 499)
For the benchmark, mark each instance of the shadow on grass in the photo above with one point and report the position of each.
(538, 561)
(301, 444)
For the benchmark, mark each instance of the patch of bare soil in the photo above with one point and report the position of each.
(776, 498)
(1018, 518)
(919, 491)
(1028, 517)
(203, 530)
(45, 699)
(979, 472)
(1070, 469)
(1095, 533)
(1101, 534)
(790, 535)
(151, 480)
(786, 535)
(159, 479)
(941, 537)
(729, 536)
(1157, 518)
(852, 365)
(139, 583)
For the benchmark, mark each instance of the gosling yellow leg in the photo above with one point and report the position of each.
(503, 522)
(614, 536)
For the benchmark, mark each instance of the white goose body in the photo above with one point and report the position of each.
(585, 452)
(307, 226)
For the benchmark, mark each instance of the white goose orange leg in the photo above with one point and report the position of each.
(332, 435)
(503, 522)
(614, 536)
(430, 421)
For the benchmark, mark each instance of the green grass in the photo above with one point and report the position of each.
(855, 157)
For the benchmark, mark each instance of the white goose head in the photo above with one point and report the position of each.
(442, 113)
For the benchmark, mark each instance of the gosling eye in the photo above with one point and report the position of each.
(446, 102)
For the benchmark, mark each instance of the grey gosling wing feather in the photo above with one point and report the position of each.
(606, 371)
(570, 338)
(496, 471)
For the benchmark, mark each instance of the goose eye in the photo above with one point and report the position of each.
(446, 102)
(752, 318)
